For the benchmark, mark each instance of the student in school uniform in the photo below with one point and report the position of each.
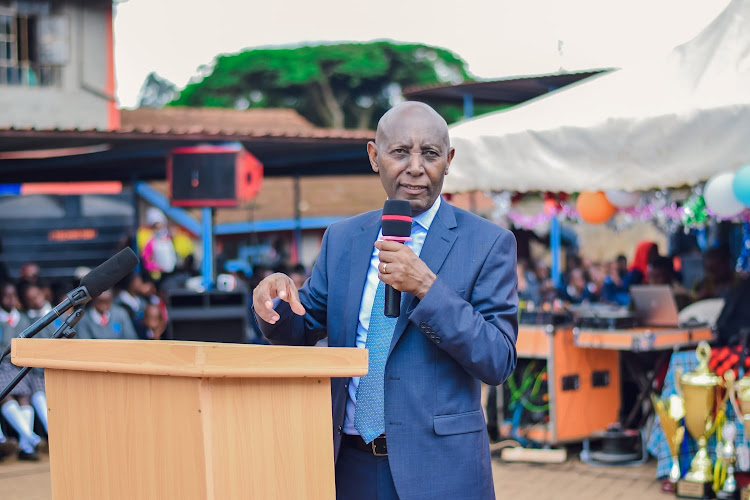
(16, 407)
(35, 305)
(105, 320)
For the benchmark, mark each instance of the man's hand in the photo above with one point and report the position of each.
(276, 285)
(404, 271)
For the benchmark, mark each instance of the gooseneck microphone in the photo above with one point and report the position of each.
(102, 278)
(396, 226)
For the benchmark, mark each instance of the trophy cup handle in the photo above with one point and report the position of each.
(678, 382)
(729, 379)
(679, 435)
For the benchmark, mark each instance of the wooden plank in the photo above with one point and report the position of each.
(121, 436)
(642, 339)
(532, 342)
(189, 359)
(266, 432)
(541, 456)
(581, 412)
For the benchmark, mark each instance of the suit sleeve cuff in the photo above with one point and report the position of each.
(424, 311)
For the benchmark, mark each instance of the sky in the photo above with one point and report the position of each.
(497, 38)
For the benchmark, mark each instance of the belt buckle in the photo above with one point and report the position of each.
(375, 449)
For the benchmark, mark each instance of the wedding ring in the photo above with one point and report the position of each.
(384, 266)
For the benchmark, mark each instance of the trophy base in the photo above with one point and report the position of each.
(725, 495)
(692, 489)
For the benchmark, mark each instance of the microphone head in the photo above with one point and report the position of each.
(396, 218)
(106, 275)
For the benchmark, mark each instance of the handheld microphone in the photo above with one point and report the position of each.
(396, 226)
(101, 278)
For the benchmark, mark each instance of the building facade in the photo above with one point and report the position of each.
(57, 64)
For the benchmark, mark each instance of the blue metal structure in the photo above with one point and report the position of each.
(207, 268)
(555, 244)
(468, 105)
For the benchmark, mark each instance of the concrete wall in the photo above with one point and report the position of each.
(81, 100)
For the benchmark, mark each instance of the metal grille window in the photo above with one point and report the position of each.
(33, 48)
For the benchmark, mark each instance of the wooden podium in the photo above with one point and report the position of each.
(189, 420)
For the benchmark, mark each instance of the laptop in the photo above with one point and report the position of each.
(655, 306)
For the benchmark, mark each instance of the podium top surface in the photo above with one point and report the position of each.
(189, 359)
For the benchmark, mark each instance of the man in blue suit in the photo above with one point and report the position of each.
(413, 427)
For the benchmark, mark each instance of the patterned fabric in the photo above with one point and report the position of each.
(657, 443)
(36, 380)
(369, 419)
(7, 372)
(724, 358)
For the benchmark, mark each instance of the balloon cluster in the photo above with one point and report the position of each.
(727, 194)
(597, 207)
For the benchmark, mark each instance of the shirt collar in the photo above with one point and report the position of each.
(98, 317)
(425, 219)
(12, 317)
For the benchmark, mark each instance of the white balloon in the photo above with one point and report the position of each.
(719, 196)
(623, 199)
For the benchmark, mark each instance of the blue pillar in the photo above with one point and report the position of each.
(555, 243)
(468, 105)
(207, 268)
(297, 236)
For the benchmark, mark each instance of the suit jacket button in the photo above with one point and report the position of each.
(423, 326)
(340, 429)
(437, 339)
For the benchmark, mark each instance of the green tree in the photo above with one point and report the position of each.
(156, 91)
(344, 85)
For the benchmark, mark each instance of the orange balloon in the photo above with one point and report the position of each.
(594, 207)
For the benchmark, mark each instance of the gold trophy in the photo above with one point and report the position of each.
(671, 411)
(699, 390)
(725, 450)
(726, 454)
(742, 389)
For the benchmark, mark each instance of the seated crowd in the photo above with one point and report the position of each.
(129, 311)
(587, 281)
(134, 309)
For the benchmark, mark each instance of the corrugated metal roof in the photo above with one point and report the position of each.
(513, 89)
(201, 123)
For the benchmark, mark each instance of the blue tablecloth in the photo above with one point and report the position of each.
(686, 361)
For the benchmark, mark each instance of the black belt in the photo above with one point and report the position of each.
(377, 446)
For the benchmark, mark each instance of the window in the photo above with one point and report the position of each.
(33, 48)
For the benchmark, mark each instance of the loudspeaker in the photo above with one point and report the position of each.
(213, 316)
(212, 176)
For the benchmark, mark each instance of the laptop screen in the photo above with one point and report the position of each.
(655, 305)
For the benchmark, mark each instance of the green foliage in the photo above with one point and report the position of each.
(344, 85)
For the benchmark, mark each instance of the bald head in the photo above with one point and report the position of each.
(411, 114)
(411, 153)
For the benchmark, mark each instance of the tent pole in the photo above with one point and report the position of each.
(555, 238)
(297, 234)
(207, 271)
(468, 105)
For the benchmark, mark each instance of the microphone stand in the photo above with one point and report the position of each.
(67, 330)
(74, 298)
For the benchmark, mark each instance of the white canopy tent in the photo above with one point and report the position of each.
(675, 121)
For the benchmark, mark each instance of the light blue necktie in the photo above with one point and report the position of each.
(369, 419)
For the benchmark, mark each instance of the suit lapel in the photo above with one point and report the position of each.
(437, 245)
(361, 252)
